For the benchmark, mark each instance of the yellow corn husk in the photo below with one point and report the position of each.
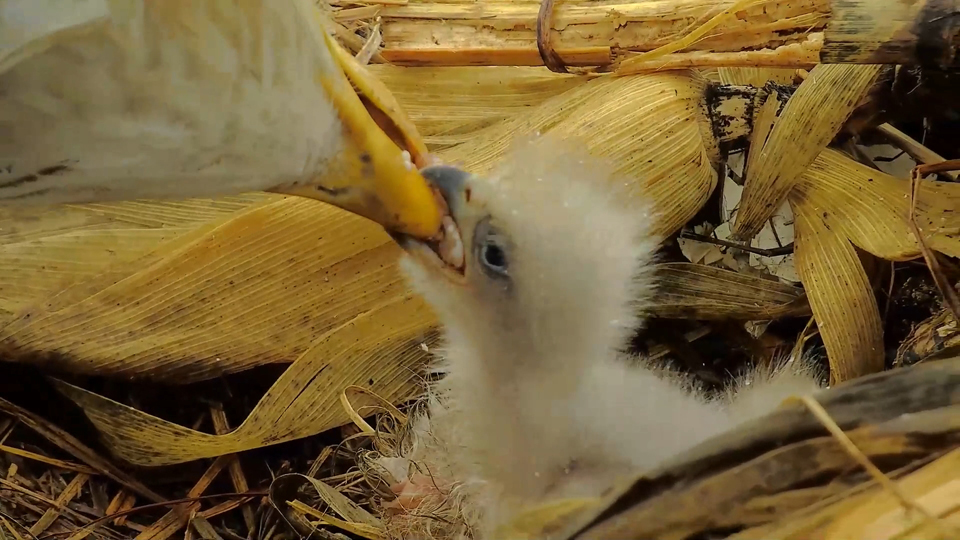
(769, 105)
(808, 122)
(285, 490)
(216, 301)
(649, 127)
(383, 346)
(868, 511)
(484, 96)
(541, 521)
(43, 252)
(840, 295)
(937, 215)
(869, 207)
(756, 76)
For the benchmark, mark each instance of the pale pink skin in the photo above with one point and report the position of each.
(413, 491)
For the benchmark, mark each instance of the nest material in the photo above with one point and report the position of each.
(786, 476)
(873, 457)
(794, 474)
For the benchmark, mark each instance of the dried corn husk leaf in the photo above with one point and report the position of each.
(867, 206)
(938, 215)
(449, 104)
(381, 347)
(819, 519)
(770, 104)
(255, 289)
(797, 137)
(649, 127)
(540, 521)
(58, 247)
(839, 294)
(872, 208)
(696, 291)
(756, 76)
(285, 490)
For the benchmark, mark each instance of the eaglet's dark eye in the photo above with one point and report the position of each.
(494, 258)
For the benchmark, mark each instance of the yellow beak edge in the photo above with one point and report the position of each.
(373, 176)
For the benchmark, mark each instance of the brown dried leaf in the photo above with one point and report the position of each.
(381, 349)
(696, 291)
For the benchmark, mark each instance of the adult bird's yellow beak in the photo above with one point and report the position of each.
(143, 99)
(376, 173)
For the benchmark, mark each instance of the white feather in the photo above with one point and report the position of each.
(156, 99)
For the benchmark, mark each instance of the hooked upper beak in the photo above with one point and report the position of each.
(451, 183)
(376, 174)
(447, 250)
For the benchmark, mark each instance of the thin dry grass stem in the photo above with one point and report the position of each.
(946, 530)
(913, 148)
(86, 530)
(356, 14)
(809, 330)
(222, 508)
(54, 462)
(7, 428)
(70, 444)
(69, 493)
(12, 530)
(946, 288)
(178, 516)
(344, 477)
(696, 35)
(321, 459)
(222, 426)
(355, 416)
(32, 494)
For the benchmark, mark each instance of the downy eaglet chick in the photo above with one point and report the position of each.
(535, 401)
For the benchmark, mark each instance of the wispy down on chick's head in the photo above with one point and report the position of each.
(553, 262)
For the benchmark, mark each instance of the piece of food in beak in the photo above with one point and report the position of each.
(139, 99)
